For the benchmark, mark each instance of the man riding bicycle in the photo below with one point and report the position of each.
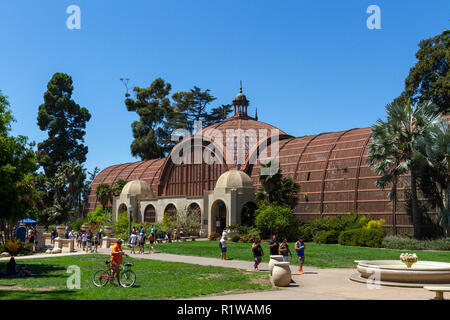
(116, 258)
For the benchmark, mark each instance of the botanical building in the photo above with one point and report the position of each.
(330, 168)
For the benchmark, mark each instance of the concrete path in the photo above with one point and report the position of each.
(315, 284)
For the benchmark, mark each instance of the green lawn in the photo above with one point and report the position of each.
(155, 280)
(317, 255)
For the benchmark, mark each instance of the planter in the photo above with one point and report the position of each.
(108, 230)
(281, 274)
(272, 260)
(61, 230)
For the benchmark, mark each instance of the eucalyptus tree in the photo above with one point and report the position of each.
(394, 148)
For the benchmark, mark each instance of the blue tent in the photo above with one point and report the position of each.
(27, 221)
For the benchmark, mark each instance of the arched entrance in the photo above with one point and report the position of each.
(122, 208)
(248, 214)
(218, 216)
(150, 214)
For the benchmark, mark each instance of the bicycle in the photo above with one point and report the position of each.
(127, 277)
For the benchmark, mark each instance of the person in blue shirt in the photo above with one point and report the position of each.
(300, 250)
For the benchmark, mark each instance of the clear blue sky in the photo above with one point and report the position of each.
(308, 66)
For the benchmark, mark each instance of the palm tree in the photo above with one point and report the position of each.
(394, 148)
(275, 187)
(104, 194)
(438, 158)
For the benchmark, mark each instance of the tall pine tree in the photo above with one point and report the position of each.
(65, 122)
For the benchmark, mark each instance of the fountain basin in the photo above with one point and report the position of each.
(396, 273)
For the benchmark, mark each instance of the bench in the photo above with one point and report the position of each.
(192, 238)
(439, 291)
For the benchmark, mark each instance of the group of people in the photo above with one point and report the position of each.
(84, 239)
(12, 271)
(275, 248)
(138, 238)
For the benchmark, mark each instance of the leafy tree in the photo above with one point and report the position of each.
(218, 114)
(429, 79)
(152, 106)
(17, 164)
(394, 148)
(276, 219)
(65, 121)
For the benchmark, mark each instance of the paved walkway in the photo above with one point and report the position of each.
(315, 284)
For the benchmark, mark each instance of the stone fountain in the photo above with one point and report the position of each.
(406, 272)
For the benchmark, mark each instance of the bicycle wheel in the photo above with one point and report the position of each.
(127, 278)
(100, 278)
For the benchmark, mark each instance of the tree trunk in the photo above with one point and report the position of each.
(414, 207)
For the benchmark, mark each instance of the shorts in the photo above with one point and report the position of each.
(151, 241)
(258, 259)
(224, 249)
(301, 259)
(84, 243)
(132, 245)
(141, 243)
(286, 259)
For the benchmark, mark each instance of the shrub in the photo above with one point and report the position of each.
(306, 232)
(235, 238)
(121, 226)
(364, 237)
(214, 236)
(404, 243)
(326, 237)
(15, 246)
(98, 216)
(76, 224)
(249, 238)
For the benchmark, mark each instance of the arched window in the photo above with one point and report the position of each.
(150, 214)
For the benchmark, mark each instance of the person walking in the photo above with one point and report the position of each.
(90, 240)
(175, 235)
(223, 248)
(257, 253)
(151, 239)
(273, 246)
(53, 235)
(300, 250)
(285, 251)
(79, 239)
(84, 240)
(141, 240)
(133, 241)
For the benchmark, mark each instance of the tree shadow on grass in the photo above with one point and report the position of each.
(62, 294)
(38, 270)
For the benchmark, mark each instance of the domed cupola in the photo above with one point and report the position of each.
(240, 104)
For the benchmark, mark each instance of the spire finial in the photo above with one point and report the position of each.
(241, 87)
